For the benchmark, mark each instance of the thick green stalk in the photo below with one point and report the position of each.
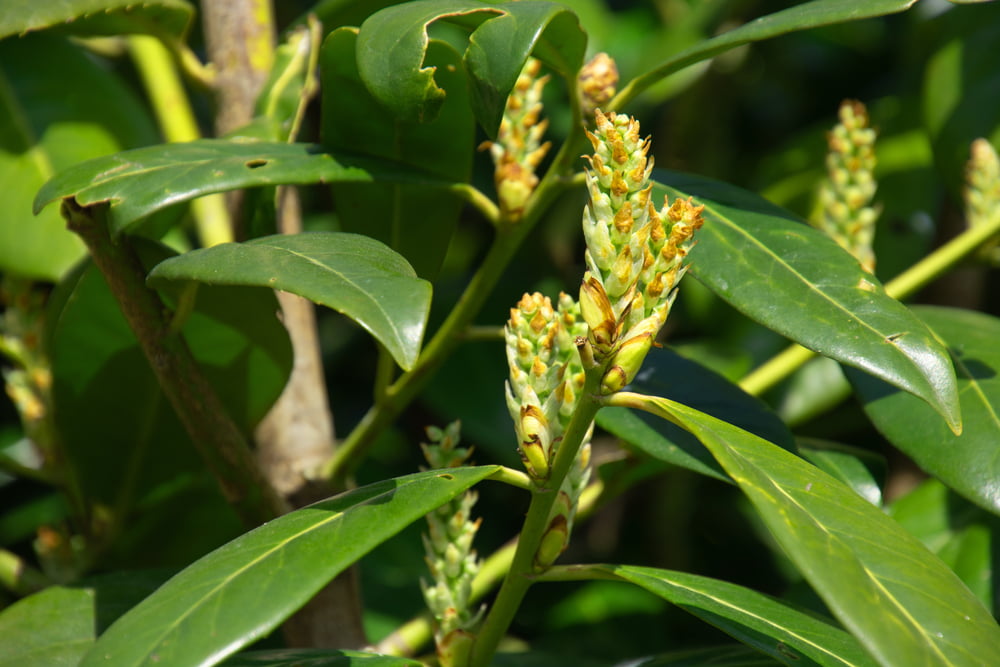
(521, 573)
(218, 439)
(901, 287)
(417, 632)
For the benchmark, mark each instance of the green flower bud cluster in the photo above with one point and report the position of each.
(846, 213)
(597, 83)
(546, 376)
(449, 554)
(546, 381)
(518, 149)
(634, 253)
(982, 193)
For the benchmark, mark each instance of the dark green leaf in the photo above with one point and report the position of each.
(168, 18)
(393, 43)
(968, 462)
(716, 656)
(127, 449)
(800, 17)
(902, 603)
(961, 85)
(499, 48)
(144, 180)
(316, 658)
(666, 373)
(246, 588)
(769, 625)
(798, 282)
(61, 110)
(416, 221)
(352, 274)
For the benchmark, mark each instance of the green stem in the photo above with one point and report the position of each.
(903, 286)
(417, 632)
(218, 439)
(522, 573)
(513, 478)
(385, 366)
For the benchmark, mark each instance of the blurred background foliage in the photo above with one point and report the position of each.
(755, 117)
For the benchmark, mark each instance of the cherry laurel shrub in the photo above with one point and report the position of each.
(141, 379)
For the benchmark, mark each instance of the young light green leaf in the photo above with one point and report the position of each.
(393, 43)
(968, 463)
(355, 275)
(169, 18)
(56, 626)
(53, 627)
(61, 110)
(246, 588)
(769, 625)
(796, 281)
(803, 16)
(900, 601)
(142, 181)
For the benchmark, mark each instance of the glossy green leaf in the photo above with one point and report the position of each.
(854, 466)
(316, 658)
(900, 601)
(61, 110)
(803, 16)
(53, 628)
(144, 180)
(169, 18)
(246, 588)
(353, 274)
(963, 535)
(666, 373)
(415, 221)
(796, 281)
(769, 625)
(969, 463)
(393, 42)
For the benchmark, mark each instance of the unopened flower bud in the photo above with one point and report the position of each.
(553, 543)
(598, 83)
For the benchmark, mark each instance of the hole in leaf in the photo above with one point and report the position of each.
(446, 476)
(255, 163)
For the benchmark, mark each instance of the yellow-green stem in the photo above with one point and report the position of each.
(177, 122)
(521, 573)
(901, 287)
(417, 632)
